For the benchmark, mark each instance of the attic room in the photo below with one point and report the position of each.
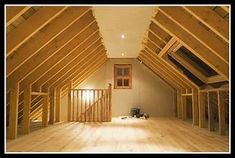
(122, 79)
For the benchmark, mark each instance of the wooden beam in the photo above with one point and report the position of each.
(158, 73)
(14, 12)
(202, 109)
(30, 26)
(43, 37)
(225, 8)
(45, 111)
(52, 106)
(80, 78)
(162, 34)
(26, 110)
(167, 47)
(156, 40)
(195, 107)
(73, 73)
(186, 82)
(188, 66)
(160, 69)
(69, 101)
(67, 62)
(188, 94)
(184, 19)
(214, 79)
(211, 123)
(152, 45)
(211, 19)
(157, 36)
(38, 93)
(221, 111)
(192, 44)
(13, 114)
(49, 50)
(57, 116)
(214, 89)
(75, 69)
(68, 51)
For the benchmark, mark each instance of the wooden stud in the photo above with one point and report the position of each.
(45, 111)
(13, 114)
(110, 102)
(58, 95)
(52, 106)
(184, 107)
(77, 105)
(221, 111)
(73, 105)
(179, 112)
(211, 123)
(202, 109)
(195, 108)
(69, 101)
(26, 110)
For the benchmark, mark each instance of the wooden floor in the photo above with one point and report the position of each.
(128, 135)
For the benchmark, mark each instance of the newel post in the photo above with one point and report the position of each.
(110, 97)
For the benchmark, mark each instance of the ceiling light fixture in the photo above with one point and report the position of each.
(122, 36)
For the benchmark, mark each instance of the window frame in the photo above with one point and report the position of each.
(129, 77)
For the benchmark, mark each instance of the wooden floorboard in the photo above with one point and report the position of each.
(127, 135)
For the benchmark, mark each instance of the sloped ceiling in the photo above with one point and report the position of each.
(132, 21)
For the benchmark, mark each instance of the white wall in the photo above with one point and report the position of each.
(148, 92)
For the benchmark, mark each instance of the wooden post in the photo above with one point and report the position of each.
(13, 114)
(57, 117)
(184, 107)
(45, 111)
(52, 106)
(210, 112)
(26, 110)
(81, 105)
(202, 110)
(77, 105)
(110, 102)
(221, 111)
(195, 106)
(102, 105)
(69, 101)
(179, 104)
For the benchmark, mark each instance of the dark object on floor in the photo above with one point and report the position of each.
(135, 111)
(125, 117)
(146, 116)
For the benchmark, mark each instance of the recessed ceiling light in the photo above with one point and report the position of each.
(122, 54)
(123, 36)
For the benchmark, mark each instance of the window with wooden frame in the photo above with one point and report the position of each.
(122, 76)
